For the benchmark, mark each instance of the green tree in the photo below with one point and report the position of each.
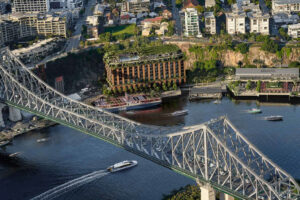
(189, 192)
(164, 87)
(248, 85)
(258, 86)
(242, 48)
(270, 46)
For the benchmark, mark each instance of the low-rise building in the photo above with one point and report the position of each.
(259, 22)
(267, 73)
(191, 23)
(294, 30)
(210, 23)
(136, 6)
(210, 3)
(162, 29)
(156, 65)
(38, 51)
(285, 18)
(166, 14)
(286, 6)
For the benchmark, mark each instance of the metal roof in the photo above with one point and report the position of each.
(266, 71)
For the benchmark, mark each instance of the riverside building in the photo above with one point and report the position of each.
(150, 65)
(285, 6)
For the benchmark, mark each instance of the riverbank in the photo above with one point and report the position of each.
(23, 127)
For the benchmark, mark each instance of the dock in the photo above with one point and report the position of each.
(198, 93)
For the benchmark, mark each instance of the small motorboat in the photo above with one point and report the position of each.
(122, 165)
(254, 111)
(179, 113)
(274, 118)
(42, 140)
(14, 154)
(217, 101)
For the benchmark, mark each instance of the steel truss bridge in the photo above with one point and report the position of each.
(214, 152)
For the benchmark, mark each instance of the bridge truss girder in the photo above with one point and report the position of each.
(214, 152)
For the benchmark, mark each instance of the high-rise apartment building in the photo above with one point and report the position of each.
(285, 6)
(191, 23)
(23, 6)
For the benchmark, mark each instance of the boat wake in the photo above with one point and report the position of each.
(70, 185)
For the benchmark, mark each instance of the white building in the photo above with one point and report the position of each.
(210, 23)
(236, 22)
(259, 22)
(191, 23)
(294, 30)
(30, 6)
(210, 3)
(287, 6)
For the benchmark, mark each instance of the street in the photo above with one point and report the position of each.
(176, 16)
(73, 42)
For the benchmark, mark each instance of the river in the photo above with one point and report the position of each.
(69, 154)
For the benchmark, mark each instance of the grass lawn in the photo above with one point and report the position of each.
(118, 30)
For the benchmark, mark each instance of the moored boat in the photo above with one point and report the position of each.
(274, 118)
(254, 111)
(122, 165)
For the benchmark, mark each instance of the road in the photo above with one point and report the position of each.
(176, 16)
(73, 42)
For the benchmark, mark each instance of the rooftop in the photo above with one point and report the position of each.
(286, 1)
(267, 72)
(190, 4)
(129, 56)
(209, 15)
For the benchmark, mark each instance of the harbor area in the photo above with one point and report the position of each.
(14, 129)
(263, 82)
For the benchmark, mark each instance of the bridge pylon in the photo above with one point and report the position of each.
(207, 192)
(224, 196)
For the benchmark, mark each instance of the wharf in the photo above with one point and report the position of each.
(205, 93)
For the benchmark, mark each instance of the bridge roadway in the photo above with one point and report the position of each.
(214, 153)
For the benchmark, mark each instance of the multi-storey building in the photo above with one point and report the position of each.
(136, 6)
(294, 30)
(286, 6)
(210, 23)
(191, 23)
(259, 22)
(19, 25)
(3, 5)
(210, 3)
(9, 31)
(138, 69)
(236, 22)
(30, 6)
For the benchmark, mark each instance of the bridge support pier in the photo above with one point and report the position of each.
(14, 114)
(2, 124)
(207, 192)
(224, 196)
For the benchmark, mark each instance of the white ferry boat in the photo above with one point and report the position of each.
(42, 140)
(122, 165)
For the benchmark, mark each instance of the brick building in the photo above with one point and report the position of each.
(138, 69)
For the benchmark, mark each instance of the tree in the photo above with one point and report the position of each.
(270, 46)
(178, 3)
(174, 86)
(189, 192)
(258, 86)
(242, 48)
(283, 33)
(164, 87)
(248, 85)
(200, 9)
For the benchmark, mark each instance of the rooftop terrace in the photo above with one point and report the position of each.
(131, 56)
